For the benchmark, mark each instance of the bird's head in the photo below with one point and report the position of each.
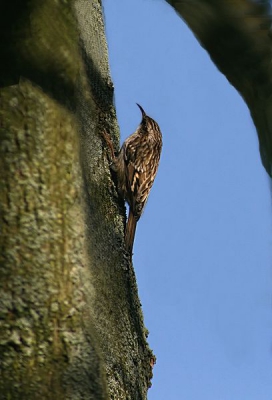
(147, 123)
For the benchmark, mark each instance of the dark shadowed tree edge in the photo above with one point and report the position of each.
(70, 318)
(237, 35)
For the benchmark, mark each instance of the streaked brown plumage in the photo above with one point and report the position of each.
(136, 166)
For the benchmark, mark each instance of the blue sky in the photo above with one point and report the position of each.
(202, 252)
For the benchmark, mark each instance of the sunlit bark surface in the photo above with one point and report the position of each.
(70, 318)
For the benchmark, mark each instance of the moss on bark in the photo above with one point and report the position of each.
(70, 318)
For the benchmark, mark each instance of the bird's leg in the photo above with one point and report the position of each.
(109, 143)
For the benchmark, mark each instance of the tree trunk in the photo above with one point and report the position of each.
(238, 37)
(70, 317)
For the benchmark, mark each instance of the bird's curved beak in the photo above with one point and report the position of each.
(142, 110)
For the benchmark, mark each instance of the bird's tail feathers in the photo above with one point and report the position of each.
(130, 232)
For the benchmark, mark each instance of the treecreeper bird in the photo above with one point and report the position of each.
(136, 166)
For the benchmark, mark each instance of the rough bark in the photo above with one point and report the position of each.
(70, 319)
(238, 36)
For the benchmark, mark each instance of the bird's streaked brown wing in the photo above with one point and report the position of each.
(142, 160)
